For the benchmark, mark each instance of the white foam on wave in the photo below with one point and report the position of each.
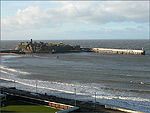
(6, 79)
(13, 70)
(130, 75)
(7, 73)
(36, 56)
(137, 104)
(73, 85)
(126, 99)
(33, 85)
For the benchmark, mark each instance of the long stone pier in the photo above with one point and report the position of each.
(119, 51)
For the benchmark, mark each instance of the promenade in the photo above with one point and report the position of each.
(84, 106)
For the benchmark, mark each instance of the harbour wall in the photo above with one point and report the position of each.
(119, 51)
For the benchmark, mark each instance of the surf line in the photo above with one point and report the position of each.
(13, 70)
(73, 85)
(72, 92)
(7, 73)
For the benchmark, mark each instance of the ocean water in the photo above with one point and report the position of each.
(117, 80)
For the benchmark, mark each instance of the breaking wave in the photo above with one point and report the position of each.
(12, 70)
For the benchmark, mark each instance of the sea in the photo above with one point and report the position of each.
(109, 79)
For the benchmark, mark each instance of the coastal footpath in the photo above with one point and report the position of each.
(55, 102)
(66, 105)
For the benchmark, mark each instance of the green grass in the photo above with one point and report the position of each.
(16, 106)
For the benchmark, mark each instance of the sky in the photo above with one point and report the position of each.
(74, 20)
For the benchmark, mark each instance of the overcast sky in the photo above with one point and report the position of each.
(74, 20)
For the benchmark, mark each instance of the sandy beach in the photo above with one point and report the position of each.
(1, 54)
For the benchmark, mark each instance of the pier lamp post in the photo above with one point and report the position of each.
(75, 97)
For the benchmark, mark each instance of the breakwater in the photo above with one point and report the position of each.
(119, 51)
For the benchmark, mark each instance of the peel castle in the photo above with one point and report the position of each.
(41, 47)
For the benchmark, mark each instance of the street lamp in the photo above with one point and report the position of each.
(14, 83)
(95, 100)
(3, 108)
(75, 98)
(36, 86)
